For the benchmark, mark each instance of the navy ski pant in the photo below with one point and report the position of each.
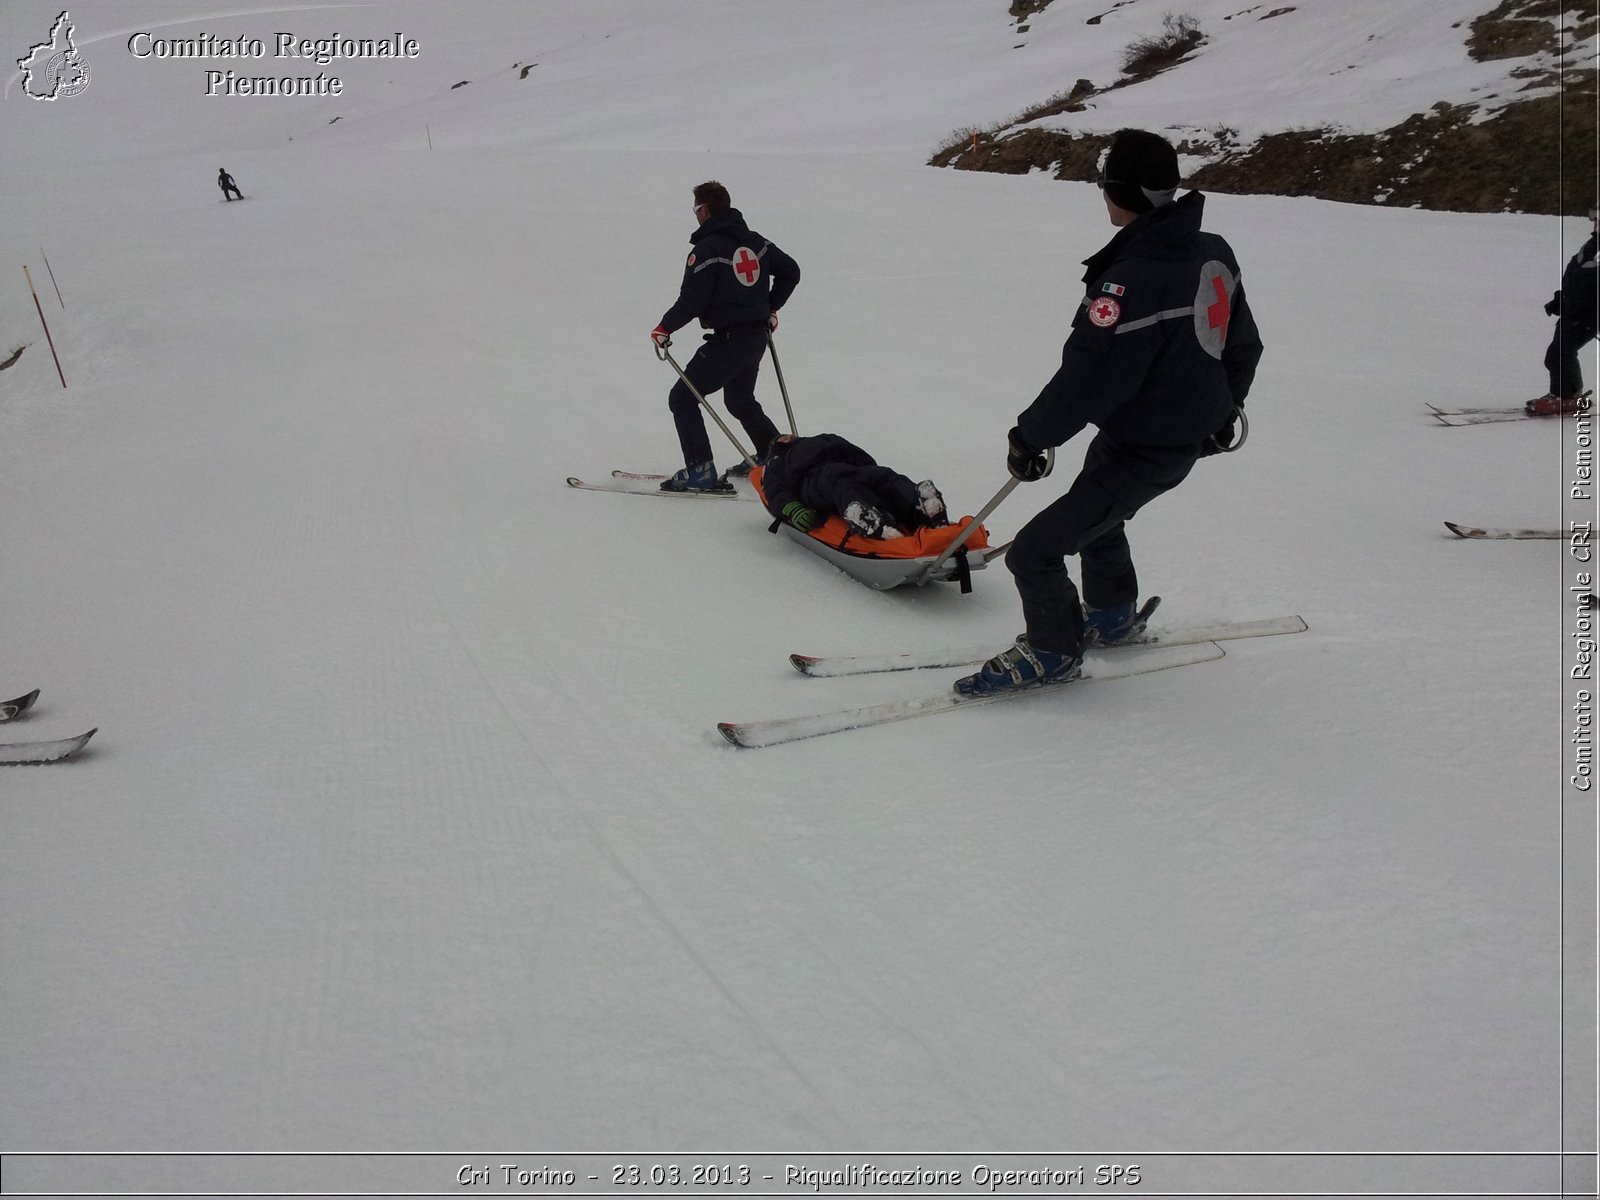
(1116, 482)
(727, 361)
(1561, 360)
(831, 487)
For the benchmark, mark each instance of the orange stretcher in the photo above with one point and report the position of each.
(919, 558)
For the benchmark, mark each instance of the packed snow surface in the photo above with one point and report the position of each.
(407, 826)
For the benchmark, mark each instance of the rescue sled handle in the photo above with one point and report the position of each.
(972, 526)
(772, 348)
(666, 355)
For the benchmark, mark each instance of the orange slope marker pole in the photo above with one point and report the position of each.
(46, 325)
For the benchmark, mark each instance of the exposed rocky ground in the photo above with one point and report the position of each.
(1536, 154)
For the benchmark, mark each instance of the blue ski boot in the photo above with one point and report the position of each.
(702, 477)
(1022, 666)
(1117, 624)
(742, 468)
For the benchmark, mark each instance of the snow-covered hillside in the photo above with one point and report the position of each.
(1268, 67)
(407, 828)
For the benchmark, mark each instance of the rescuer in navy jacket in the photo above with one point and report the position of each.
(1161, 356)
(734, 282)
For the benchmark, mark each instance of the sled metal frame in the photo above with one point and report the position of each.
(886, 574)
(666, 356)
(983, 513)
(772, 349)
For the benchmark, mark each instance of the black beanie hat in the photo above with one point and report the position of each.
(1141, 171)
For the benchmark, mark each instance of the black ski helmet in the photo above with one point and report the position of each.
(1140, 171)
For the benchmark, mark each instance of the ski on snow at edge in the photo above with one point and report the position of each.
(1468, 531)
(35, 753)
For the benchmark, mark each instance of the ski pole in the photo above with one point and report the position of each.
(663, 353)
(772, 347)
(53, 282)
(1050, 462)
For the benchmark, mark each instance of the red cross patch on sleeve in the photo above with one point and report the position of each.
(1104, 311)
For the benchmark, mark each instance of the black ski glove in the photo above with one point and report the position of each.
(1553, 309)
(1022, 460)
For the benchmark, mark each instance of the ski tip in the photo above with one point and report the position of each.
(33, 754)
(730, 732)
(1462, 531)
(73, 745)
(574, 481)
(10, 710)
(803, 662)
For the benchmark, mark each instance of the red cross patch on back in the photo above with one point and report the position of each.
(1213, 306)
(746, 266)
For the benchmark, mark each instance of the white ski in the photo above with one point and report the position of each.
(651, 487)
(1517, 413)
(1467, 531)
(10, 710)
(827, 666)
(757, 734)
(31, 753)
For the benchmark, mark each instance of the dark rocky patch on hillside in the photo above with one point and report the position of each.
(1537, 154)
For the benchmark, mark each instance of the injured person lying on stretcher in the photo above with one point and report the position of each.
(805, 479)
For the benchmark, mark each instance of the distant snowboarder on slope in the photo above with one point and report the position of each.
(1575, 307)
(1162, 353)
(735, 282)
(226, 183)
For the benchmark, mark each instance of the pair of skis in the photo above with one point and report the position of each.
(1148, 653)
(1494, 416)
(34, 753)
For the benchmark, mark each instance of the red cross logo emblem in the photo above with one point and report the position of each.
(1213, 307)
(746, 266)
(1217, 310)
(1104, 311)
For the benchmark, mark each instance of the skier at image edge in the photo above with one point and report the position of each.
(734, 282)
(1574, 306)
(1161, 356)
